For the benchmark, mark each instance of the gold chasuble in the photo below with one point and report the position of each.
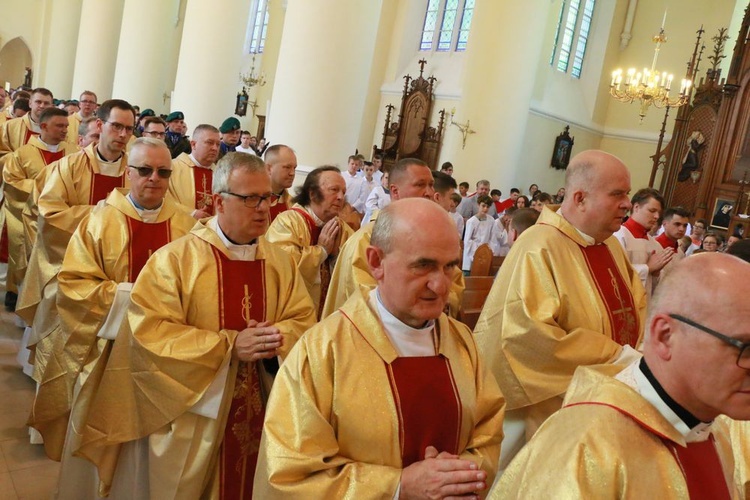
(347, 413)
(174, 379)
(296, 231)
(15, 133)
(352, 272)
(109, 248)
(20, 170)
(74, 121)
(279, 203)
(190, 184)
(29, 220)
(73, 186)
(558, 302)
(609, 441)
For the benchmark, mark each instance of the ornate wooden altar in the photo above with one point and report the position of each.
(707, 160)
(411, 136)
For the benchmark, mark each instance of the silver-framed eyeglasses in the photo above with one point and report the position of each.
(251, 200)
(743, 360)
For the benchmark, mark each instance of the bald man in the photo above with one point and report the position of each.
(281, 164)
(648, 429)
(409, 178)
(396, 401)
(565, 296)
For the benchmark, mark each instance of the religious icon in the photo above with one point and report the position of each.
(562, 150)
(691, 162)
(240, 108)
(722, 213)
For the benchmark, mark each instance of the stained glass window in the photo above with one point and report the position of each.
(463, 30)
(583, 37)
(430, 22)
(259, 18)
(446, 22)
(576, 29)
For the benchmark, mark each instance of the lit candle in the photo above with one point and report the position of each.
(669, 82)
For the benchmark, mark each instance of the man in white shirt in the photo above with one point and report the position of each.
(355, 184)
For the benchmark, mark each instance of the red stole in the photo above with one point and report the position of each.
(615, 293)
(48, 156)
(143, 240)
(638, 231)
(242, 295)
(666, 242)
(278, 205)
(203, 178)
(28, 135)
(428, 406)
(102, 185)
(325, 267)
(701, 467)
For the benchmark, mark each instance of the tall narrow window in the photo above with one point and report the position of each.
(572, 36)
(258, 26)
(446, 25)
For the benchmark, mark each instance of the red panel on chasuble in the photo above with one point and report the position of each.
(29, 134)
(48, 156)
(615, 293)
(428, 406)
(277, 206)
(701, 466)
(144, 240)
(242, 295)
(102, 185)
(203, 178)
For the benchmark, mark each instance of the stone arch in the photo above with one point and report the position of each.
(15, 57)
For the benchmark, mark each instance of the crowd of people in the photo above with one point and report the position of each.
(198, 330)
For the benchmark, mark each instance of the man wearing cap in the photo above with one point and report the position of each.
(177, 141)
(192, 178)
(230, 135)
(87, 105)
(147, 113)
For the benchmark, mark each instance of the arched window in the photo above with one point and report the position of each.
(446, 25)
(257, 26)
(571, 35)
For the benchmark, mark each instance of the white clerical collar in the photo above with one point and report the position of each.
(236, 252)
(108, 168)
(408, 341)
(148, 216)
(35, 127)
(318, 221)
(50, 147)
(635, 378)
(588, 239)
(195, 162)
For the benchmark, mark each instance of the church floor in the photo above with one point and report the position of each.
(25, 471)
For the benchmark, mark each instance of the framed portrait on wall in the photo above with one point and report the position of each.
(562, 151)
(240, 108)
(722, 213)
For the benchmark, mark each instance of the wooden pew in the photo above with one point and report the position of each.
(482, 262)
(475, 293)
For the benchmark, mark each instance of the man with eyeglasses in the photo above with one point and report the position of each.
(21, 169)
(649, 429)
(312, 231)
(74, 185)
(87, 103)
(696, 236)
(102, 261)
(17, 132)
(212, 315)
(155, 128)
(190, 185)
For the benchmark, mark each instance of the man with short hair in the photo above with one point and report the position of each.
(20, 171)
(697, 234)
(377, 162)
(87, 103)
(676, 220)
(176, 140)
(504, 205)
(470, 207)
(409, 178)
(245, 144)
(155, 128)
(647, 427)
(646, 255)
(17, 132)
(20, 108)
(230, 135)
(444, 187)
(281, 164)
(312, 232)
(88, 132)
(211, 317)
(74, 185)
(192, 173)
(463, 189)
(355, 184)
(584, 306)
(431, 425)
(103, 258)
(447, 168)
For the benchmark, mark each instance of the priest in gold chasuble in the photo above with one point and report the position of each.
(281, 163)
(312, 232)
(377, 396)
(650, 429)
(190, 184)
(565, 296)
(21, 168)
(212, 316)
(73, 186)
(18, 131)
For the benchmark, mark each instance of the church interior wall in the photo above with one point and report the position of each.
(17, 16)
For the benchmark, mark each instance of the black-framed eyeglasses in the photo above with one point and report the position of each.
(86, 101)
(743, 360)
(251, 200)
(154, 133)
(119, 127)
(164, 173)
